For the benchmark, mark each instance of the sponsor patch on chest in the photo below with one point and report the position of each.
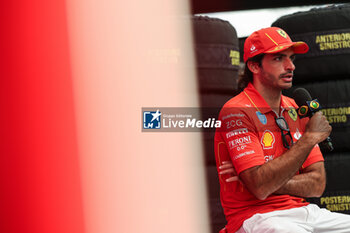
(267, 140)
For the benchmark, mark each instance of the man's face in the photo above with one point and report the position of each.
(276, 69)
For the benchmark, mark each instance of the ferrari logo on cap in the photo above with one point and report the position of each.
(282, 33)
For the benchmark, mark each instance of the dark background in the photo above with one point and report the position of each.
(208, 6)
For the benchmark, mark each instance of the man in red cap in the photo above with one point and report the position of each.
(268, 158)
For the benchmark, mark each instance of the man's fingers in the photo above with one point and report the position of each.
(227, 171)
(225, 166)
(231, 179)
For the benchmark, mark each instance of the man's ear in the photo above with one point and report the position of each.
(254, 67)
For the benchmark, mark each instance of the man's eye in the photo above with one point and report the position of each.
(292, 58)
(277, 58)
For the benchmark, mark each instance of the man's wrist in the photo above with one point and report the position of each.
(308, 139)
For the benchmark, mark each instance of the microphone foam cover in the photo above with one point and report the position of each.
(301, 95)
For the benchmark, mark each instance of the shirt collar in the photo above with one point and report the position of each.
(259, 102)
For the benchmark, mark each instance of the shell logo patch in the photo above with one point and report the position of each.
(282, 33)
(293, 114)
(267, 140)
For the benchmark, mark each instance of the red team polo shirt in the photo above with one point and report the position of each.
(250, 137)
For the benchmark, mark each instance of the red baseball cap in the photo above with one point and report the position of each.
(271, 40)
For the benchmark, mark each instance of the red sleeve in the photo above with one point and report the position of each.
(241, 140)
(314, 156)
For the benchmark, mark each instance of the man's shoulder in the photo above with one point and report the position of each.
(236, 101)
(237, 106)
(289, 101)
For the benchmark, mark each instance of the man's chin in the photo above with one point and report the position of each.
(286, 86)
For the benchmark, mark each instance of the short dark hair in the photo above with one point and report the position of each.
(247, 76)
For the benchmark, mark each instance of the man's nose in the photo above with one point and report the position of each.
(289, 65)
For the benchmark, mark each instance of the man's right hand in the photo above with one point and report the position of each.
(318, 128)
(227, 168)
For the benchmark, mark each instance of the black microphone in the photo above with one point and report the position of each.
(307, 108)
